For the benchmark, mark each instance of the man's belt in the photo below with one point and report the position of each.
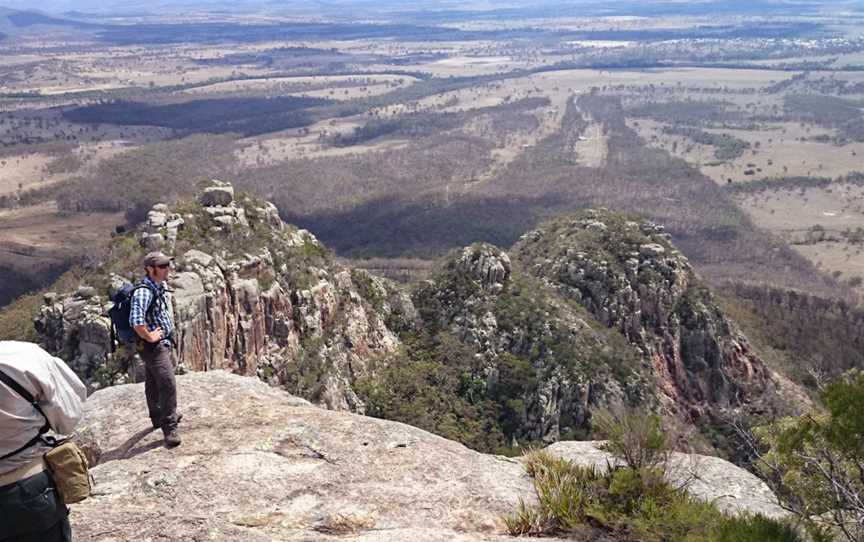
(25, 471)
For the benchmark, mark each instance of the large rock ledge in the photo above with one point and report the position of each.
(257, 464)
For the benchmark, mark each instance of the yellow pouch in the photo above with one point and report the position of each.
(70, 471)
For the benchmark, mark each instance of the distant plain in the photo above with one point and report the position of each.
(404, 136)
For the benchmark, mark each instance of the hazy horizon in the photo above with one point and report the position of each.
(344, 8)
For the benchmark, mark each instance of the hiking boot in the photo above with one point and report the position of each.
(172, 439)
(157, 425)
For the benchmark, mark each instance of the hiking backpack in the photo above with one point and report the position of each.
(121, 331)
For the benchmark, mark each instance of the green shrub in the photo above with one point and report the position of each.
(627, 504)
(814, 462)
(431, 383)
(526, 521)
(16, 319)
(635, 437)
(754, 529)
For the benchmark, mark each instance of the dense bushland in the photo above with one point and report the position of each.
(843, 114)
(691, 112)
(794, 183)
(486, 399)
(809, 338)
(160, 172)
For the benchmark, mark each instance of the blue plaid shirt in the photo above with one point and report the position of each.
(160, 316)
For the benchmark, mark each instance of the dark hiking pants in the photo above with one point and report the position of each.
(159, 385)
(31, 511)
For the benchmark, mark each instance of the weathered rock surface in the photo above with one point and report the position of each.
(257, 464)
(218, 194)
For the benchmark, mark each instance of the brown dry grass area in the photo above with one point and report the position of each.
(309, 142)
(792, 214)
(81, 147)
(840, 258)
(687, 77)
(778, 150)
(25, 172)
(30, 171)
(789, 154)
(112, 68)
(40, 235)
(837, 207)
(558, 87)
(36, 245)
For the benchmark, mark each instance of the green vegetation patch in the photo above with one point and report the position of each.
(810, 339)
(629, 505)
(813, 463)
(843, 114)
(689, 112)
(434, 383)
(632, 501)
(482, 392)
(599, 235)
(16, 318)
(726, 147)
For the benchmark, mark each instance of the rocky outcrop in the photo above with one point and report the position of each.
(631, 278)
(250, 295)
(485, 264)
(587, 311)
(74, 327)
(218, 194)
(257, 464)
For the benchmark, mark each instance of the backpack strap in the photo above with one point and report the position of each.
(148, 312)
(19, 389)
(113, 336)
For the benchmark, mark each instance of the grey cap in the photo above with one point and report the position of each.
(155, 259)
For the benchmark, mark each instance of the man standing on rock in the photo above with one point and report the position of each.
(150, 317)
(30, 508)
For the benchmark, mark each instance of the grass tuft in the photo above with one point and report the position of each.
(627, 504)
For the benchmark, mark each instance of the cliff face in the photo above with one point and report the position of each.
(587, 311)
(250, 295)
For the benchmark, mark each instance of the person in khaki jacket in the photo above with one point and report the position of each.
(30, 507)
(150, 317)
